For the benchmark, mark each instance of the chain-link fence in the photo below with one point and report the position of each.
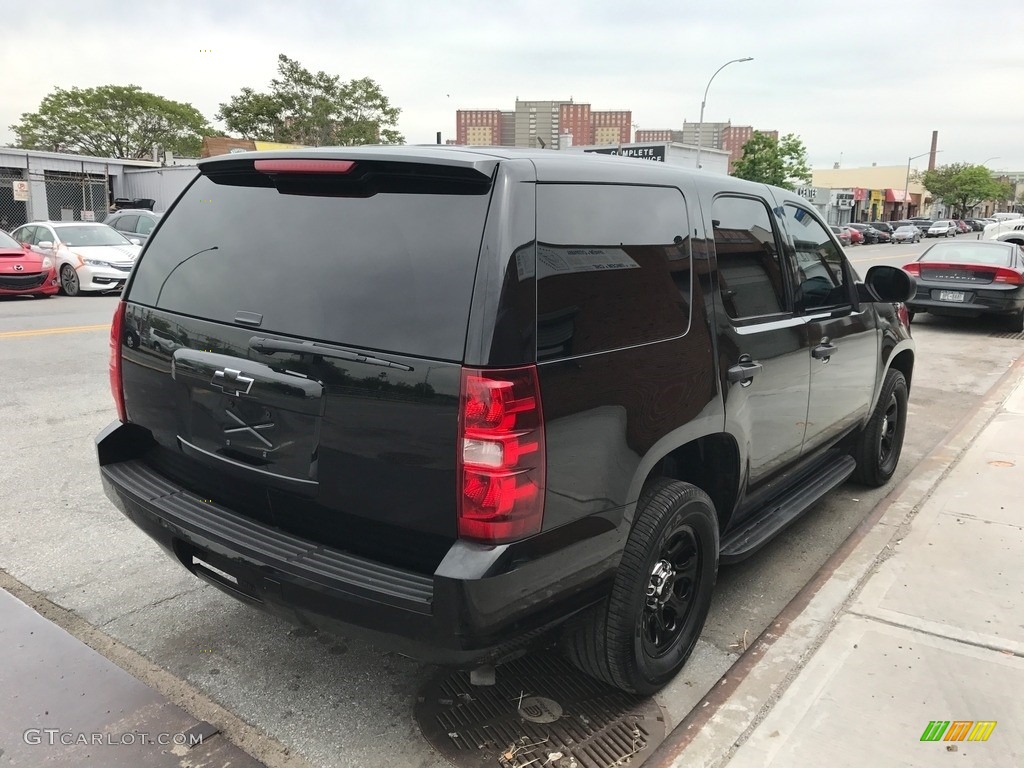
(13, 212)
(74, 196)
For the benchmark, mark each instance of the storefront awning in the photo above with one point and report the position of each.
(896, 196)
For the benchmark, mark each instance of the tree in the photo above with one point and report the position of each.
(313, 109)
(780, 162)
(964, 186)
(120, 121)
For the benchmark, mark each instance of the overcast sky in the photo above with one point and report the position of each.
(860, 82)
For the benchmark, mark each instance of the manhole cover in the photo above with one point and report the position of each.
(541, 709)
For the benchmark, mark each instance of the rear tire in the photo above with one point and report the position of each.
(640, 636)
(1017, 322)
(880, 443)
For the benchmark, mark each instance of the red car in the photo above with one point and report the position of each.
(23, 272)
(963, 226)
(856, 236)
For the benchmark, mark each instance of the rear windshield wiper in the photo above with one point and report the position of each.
(270, 346)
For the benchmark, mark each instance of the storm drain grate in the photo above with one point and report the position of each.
(540, 709)
(1008, 335)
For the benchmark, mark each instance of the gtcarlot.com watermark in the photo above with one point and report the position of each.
(54, 736)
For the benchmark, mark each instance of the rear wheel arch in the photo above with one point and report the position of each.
(904, 363)
(711, 463)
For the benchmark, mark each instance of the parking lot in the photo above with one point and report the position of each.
(333, 701)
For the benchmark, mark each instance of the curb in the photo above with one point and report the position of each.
(741, 698)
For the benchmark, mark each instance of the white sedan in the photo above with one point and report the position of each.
(90, 256)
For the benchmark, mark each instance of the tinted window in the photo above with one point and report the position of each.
(125, 223)
(613, 267)
(750, 274)
(819, 261)
(392, 271)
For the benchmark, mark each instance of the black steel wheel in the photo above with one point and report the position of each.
(69, 280)
(641, 635)
(880, 443)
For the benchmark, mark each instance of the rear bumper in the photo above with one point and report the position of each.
(977, 301)
(481, 603)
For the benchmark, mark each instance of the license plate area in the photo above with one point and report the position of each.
(954, 296)
(250, 419)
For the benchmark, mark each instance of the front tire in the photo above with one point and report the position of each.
(69, 281)
(880, 443)
(640, 636)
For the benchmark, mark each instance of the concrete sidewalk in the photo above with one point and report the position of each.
(63, 704)
(918, 630)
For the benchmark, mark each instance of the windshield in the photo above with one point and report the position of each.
(969, 253)
(907, 230)
(6, 241)
(82, 236)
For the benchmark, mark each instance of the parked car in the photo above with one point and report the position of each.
(1007, 231)
(456, 436)
(906, 234)
(162, 341)
(855, 235)
(1000, 227)
(89, 256)
(962, 226)
(842, 234)
(133, 223)
(970, 279)
(976, 225)
(942, 228)
(871, 235)
(24, 272)
(883, 226)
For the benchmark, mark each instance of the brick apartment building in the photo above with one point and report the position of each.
(540, 123)
(725, 136)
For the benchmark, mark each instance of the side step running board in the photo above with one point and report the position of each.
(784, 510)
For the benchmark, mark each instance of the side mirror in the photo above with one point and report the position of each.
(45, 244)
(890, 284)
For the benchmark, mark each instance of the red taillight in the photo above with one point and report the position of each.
(1007, 275)
(116, 386)
(501, 460)
(304, 166)
(913, 269)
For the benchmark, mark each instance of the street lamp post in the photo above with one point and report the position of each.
(906, 184)
(700, 123)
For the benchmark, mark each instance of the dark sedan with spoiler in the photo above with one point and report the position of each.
(969, 280)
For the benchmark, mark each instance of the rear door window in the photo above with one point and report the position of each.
(613, 267)
(126, 223)
(751, 274)
(390, 271)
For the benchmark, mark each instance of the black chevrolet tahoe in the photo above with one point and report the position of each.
(457, 399)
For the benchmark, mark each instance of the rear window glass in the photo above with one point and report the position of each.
(966, 253)
(613, 267)
(392, 271)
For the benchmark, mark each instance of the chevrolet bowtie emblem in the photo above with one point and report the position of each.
(233, 382)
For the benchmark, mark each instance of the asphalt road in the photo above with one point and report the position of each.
(336, 701)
